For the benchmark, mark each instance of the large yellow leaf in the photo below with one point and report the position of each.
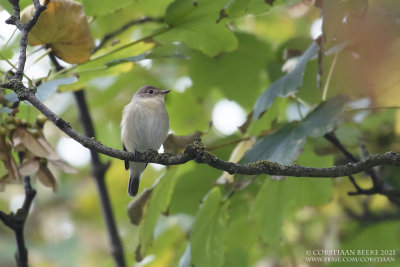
(62, 26)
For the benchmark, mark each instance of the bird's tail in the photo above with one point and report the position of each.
(133, 186)
(135, 170)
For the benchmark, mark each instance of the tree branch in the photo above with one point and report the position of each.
(98, 170)
(199, 154)
(16, 222)
(379, 186)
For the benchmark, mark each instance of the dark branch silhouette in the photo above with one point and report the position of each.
(16, 222)
(99, 170)
(379, 186)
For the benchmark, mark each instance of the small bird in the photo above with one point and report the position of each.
(144, 126)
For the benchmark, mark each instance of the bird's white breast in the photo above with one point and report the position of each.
(145, 124)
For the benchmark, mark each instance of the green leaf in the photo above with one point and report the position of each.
(96, 8)
(382, 234)
(237, 8)
(284, 145)
(7, 6)
(207, 239)
(239, 74)
(311, 191)
(241, 235)
(159, 52)
(191, 187)
(277, 198)
(159, 203)
(174, 51)
(96, 66)
(285, 85)
(196, 116)
(151, 7)
(170, 240)
(323, 118)
(269, 207)
(126, 59)
(275, 114)
(195, 24)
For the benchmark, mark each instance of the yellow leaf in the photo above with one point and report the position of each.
(62, 26)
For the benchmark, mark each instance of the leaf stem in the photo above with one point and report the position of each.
(372, 108)
(15, 67)
(328, 79)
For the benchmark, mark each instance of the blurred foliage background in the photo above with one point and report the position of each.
(226, 62)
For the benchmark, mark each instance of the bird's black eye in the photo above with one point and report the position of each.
(150, 91)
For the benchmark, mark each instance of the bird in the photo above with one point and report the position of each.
(144, 126)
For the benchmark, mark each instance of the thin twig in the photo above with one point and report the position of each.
(15, 67)
(371, 108)
(328, 79)
(123, 28)
(24, 28)
(233, 142)
(331, 137)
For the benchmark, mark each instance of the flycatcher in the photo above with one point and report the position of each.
(144, 126)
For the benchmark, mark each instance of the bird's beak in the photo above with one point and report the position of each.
(164, 92)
